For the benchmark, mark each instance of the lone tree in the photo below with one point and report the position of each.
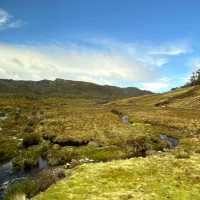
(195, 78)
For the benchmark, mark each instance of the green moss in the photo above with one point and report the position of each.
(60, 156)
(28, 158)
(152, 178)
(102, 153)
(9, 148)
(20, 188)
(31, 186)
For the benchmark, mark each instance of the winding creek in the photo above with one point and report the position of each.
(8, 175)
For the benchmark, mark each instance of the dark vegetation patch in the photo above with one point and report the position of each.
(70, 142)
(116, 112)
(142, 145)
(28, 158)
(63, 141)
(8, 149)
(31, 139)
(49, 136)
(60, 156)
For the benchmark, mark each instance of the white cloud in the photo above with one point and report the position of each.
(103, 62)
(8, 21)
(152, 55)
(155, 86)
(172, 49)
(27, 62)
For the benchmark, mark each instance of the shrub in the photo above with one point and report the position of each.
(28, 158)
(60, 156)
(181, 154)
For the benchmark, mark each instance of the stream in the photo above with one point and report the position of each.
(8, 175)
(172, 141)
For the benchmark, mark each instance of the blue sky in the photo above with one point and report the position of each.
(150, 44)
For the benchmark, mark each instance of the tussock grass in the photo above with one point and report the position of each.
(168, 174)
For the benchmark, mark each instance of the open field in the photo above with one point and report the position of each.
(68, 132)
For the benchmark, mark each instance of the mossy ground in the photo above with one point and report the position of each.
(151, 178)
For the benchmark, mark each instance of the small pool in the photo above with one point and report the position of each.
(172, 141)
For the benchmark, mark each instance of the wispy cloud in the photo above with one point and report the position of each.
(194, 63)
(155, 86)
(71, 62)
(8, 21)
(100, 61)
(172, 49)
(154, 55)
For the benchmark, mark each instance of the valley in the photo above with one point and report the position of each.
(144, 147)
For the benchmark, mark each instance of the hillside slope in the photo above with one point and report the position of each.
(67, 88)
(152, 178)
(164, 174)
(75, 130)
(187, 97)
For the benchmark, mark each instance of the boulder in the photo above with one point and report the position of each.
(125, 119)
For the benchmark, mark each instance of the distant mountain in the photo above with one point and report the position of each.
(67, 88)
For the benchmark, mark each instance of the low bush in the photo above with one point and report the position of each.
(61, 156)
(48, 177)
(181, 154)
(28, 158)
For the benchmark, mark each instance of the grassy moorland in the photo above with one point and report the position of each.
(123, 160)
(151, 178)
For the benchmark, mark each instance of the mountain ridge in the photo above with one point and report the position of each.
(67, 88)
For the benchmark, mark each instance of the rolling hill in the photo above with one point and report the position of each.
(67, 88)
(103, 157)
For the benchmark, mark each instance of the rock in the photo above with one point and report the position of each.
(125, 119)
(150, 152)
(85, 160)
(74, 163)
(67, 166)
(93, 144)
